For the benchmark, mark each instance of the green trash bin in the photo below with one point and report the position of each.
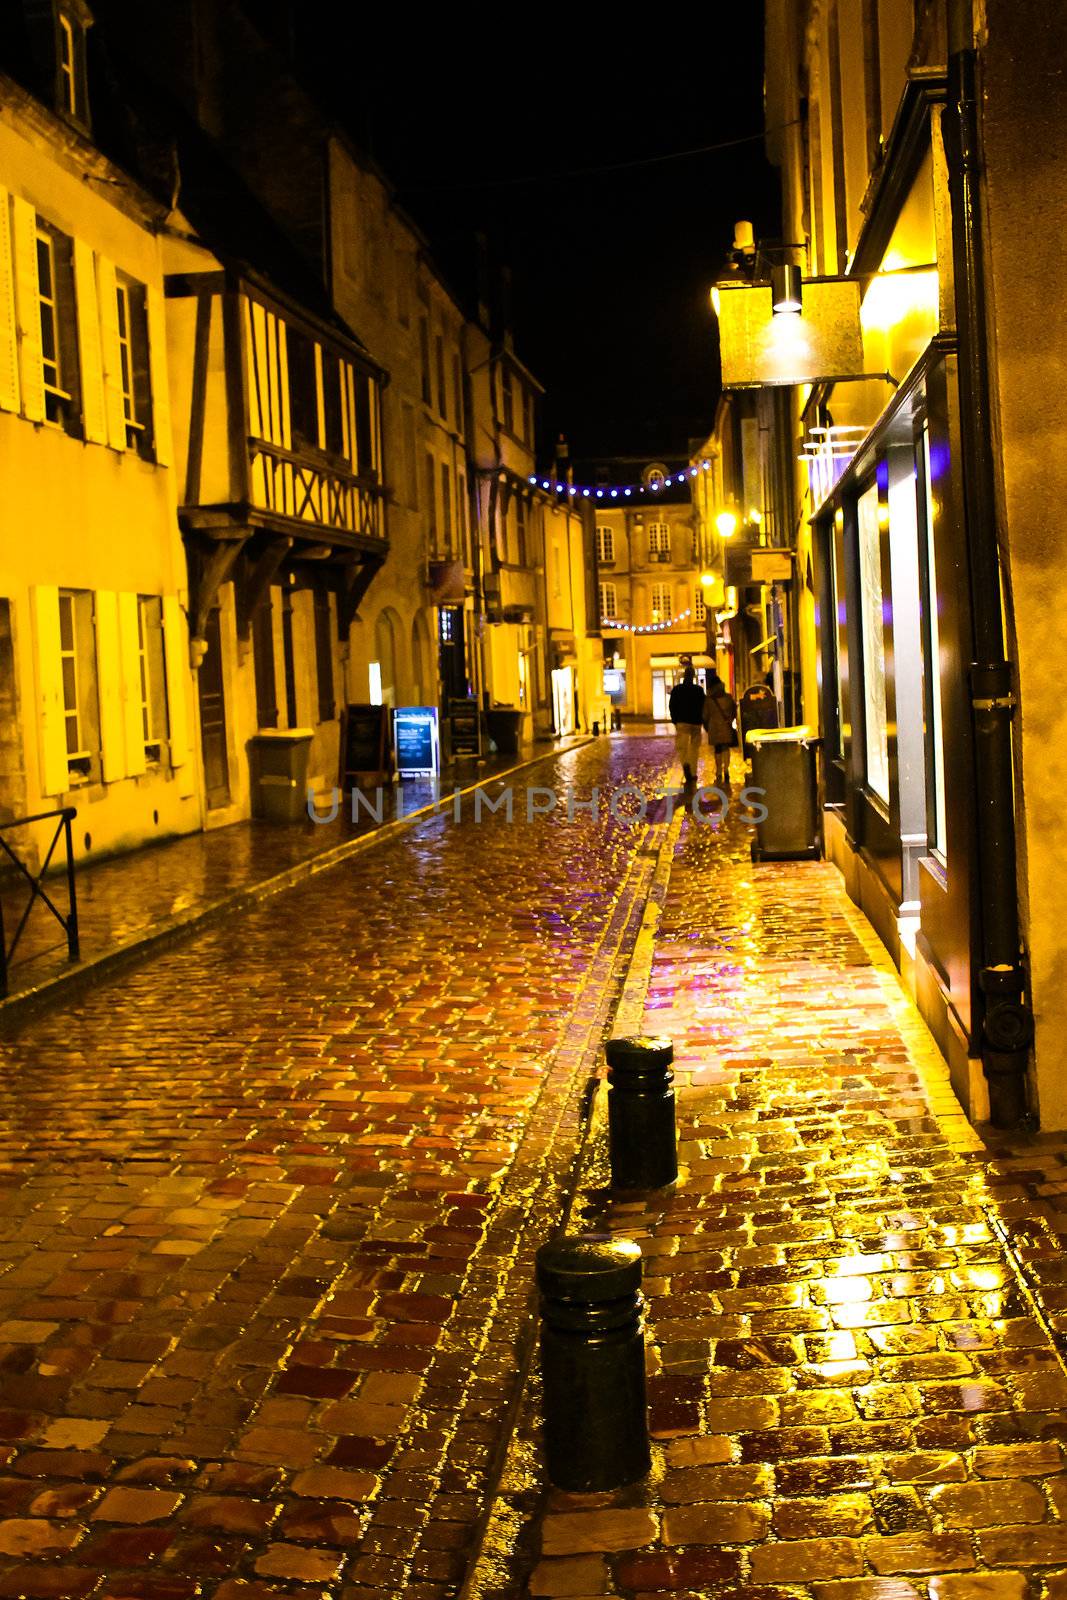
(783, 766)
(280, 773)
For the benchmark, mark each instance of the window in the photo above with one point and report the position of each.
(424, 357)
(324, 655)
(528, 432)
(446, 506)
(661, 603)
(605, 545)
(609, 605)
(700, 610)
(303, 386)
(442, 394)
(133, 366)
(59, 359)
(520, 528)
(659, 539)
(70, 85)
(457, 386)
(507, 396)
(81, 710)
(333, 428)
(870, 520)
(263, 663)
(462, 525)
(68, 82)
(153, 674)
(430, 508)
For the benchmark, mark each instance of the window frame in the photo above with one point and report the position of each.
(605, 544)
(83, 762)
(657, 614)
(608, 613)
(153, 679)
(659, 538)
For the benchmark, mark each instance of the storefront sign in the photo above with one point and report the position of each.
(823, 340)
(772, 566)
(415, 735)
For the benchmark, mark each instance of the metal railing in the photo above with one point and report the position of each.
(69, 923)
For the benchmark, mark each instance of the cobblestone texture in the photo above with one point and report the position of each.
(270, 1204)
(853, 1305)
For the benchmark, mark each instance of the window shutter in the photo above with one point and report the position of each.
(109, 332)
(109, 685)
(28, 309)
(157, 368)
(176, 651)
(9, 340)
(129, 647)
(89, 358)
(44, 604)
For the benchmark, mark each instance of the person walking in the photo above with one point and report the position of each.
(719, 713)
(686, 707)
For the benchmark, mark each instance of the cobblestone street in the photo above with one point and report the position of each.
(270, 1206)
(272, 1201)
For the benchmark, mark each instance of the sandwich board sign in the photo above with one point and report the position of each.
(416, 740)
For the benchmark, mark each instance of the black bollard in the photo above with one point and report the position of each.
(593, 1362)
(642, 1143)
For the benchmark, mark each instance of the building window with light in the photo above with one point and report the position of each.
(661, 603)
(59, 341)
(77, 662)
(659, 541)
(609, 605)
(605, 545)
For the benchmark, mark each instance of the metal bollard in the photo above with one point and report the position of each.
(593, 1362)
(642, 1142)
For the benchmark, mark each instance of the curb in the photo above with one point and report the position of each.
(97, 969)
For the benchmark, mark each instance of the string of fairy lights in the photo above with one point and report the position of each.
(617, 626)
(619, 491)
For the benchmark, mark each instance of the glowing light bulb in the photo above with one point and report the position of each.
(726, 524)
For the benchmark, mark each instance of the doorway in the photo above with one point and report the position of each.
(209, 682)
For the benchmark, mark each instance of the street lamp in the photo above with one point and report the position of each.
(726, 524)
(785, 290)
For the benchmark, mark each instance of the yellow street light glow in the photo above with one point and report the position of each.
(707, 579)
(726, 523)
(755, 516)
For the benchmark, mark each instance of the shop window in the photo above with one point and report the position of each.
(870, 519)
(152, 674)
(59, 341)
(605, 545)
(133, 366)
(81, 708)
(936, 811)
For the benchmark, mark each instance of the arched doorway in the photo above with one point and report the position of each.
(385, 636)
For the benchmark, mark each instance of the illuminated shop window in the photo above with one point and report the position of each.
(869, 520)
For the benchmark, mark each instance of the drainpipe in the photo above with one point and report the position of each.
(1007, 1022)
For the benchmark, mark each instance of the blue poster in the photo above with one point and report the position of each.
(415, 739)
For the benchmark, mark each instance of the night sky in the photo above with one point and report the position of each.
(483, 123)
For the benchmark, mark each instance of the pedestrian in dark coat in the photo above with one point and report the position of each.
(719, 713)
(686, 707)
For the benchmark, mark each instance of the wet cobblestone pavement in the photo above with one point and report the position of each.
(853, 1304)
(269, 1207)
(125, 898)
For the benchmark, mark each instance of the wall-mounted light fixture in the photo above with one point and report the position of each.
(785, 290)
(726, 524)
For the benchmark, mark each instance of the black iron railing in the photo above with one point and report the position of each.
(69, 922)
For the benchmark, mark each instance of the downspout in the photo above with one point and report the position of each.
(1007, 1027)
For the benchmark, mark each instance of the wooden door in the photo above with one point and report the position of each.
(213, 719)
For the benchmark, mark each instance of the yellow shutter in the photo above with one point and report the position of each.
(9, 340)
(52, 729)
(129, 643)
(28, 313)
(157, 369)
(109, 333)
(176, 650)
(109, 685)
(89, 358)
